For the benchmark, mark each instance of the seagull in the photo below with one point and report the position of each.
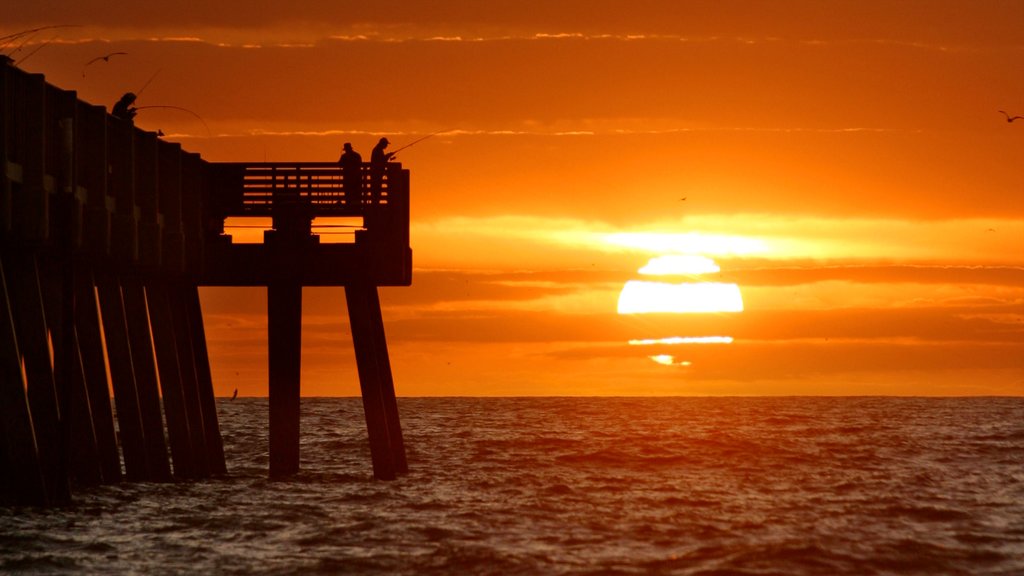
(105, 58)
(1011, 118)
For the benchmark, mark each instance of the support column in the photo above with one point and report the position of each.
(189, 383)
(144, 367)
(380, 342)
(361, 315)
(170, 381)
(284, 332)
(78, 437)
(21, 475)
(207, 402)
(33, 344)
(84, 460)
(119, 356)
(90, 347)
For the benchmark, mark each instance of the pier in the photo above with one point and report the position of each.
(107, 232)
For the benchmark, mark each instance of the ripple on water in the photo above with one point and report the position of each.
(576, 486)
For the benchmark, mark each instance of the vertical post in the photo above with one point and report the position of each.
(6, 130)
(80, 456)
(33, 343)
(170, 380)
(371, 381)
(90, 347)
(189, 383)
(21, 475)
(144, 368)
(380, 345)
(31, 206)
(84, 461)
(284, 333)
(207, 402)
(78, 440)
(119, 356)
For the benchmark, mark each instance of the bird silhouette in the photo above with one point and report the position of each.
(105, 58)
(1011, 118)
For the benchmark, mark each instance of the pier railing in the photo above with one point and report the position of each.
(300, 199)
(258, 188)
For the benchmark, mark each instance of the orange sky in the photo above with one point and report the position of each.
(844, 163)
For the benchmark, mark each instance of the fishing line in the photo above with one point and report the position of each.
(414, 142)
(200, 118)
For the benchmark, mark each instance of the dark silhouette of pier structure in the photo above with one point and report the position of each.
(106, 234)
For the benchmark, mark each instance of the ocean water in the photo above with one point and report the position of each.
(575, 486)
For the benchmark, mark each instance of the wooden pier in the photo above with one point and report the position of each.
(106, 234)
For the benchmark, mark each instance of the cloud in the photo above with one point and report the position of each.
(917, 23)
(880, 274)
(762, 237)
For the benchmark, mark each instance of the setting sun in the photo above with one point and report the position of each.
(642, 297)
(685, 297)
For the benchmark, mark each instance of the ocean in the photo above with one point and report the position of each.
(574, 486)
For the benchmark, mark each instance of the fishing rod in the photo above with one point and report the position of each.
(200, 118)
(6, 40)
(32, 53)
(414, 142)
(146, 85)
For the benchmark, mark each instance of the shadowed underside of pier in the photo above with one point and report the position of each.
(106, 234)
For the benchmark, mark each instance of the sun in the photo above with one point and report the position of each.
(642, 297)
(662, 297)
(678, 290)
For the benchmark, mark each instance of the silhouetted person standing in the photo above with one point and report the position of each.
(378, 164)
(124, 109)
(351, 175)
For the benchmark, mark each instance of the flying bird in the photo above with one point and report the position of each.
(1011, 118)
(105, 58)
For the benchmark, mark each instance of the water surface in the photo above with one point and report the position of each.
(576, 486)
